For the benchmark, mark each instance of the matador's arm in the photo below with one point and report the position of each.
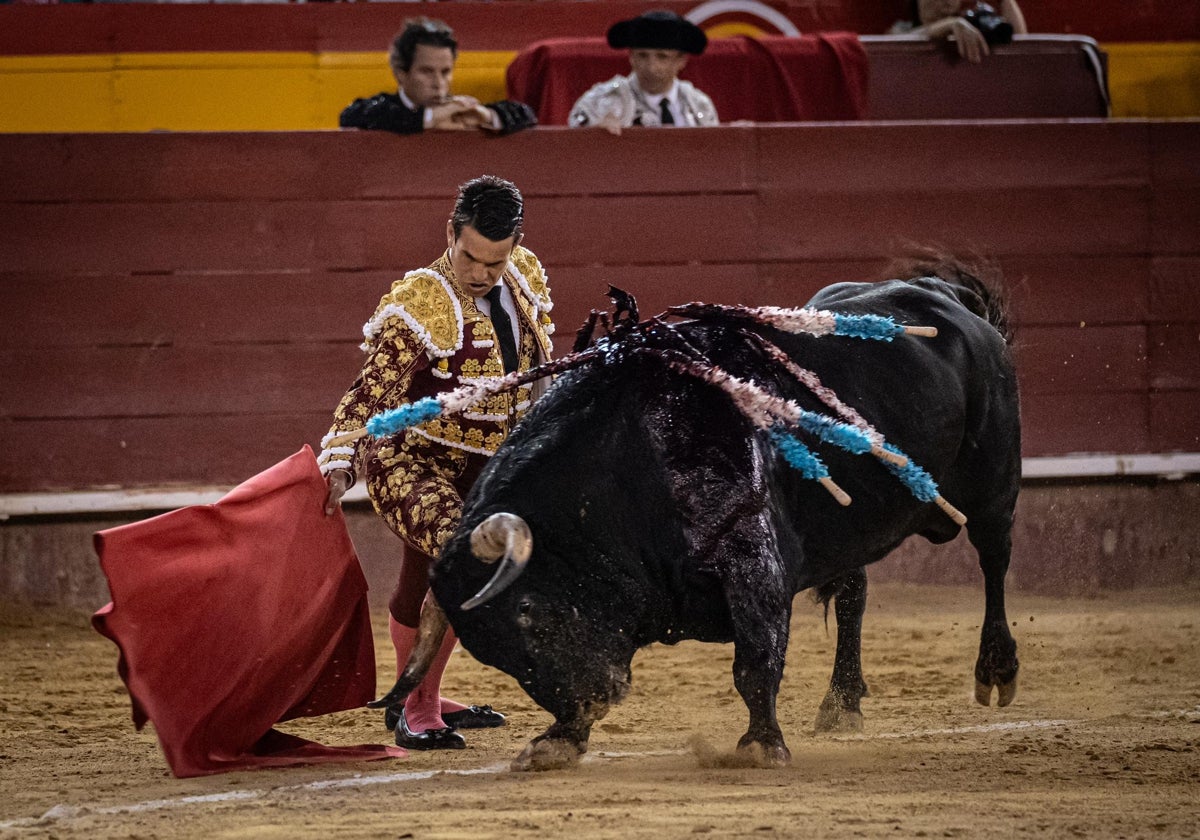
(394, 355)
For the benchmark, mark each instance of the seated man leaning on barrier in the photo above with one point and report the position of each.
(659, 44)
(973, 26)
(422, 58)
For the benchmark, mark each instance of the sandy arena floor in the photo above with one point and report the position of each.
(1102, 741)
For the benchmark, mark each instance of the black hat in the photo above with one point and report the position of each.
(657, 30)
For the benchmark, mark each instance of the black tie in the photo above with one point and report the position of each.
(502, 325)
(665, 107)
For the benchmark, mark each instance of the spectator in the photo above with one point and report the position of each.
(944, 19)
(422, 58)
(659, 44)
(480, 310)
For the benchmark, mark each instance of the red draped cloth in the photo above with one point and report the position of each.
(770, 79)
(234, 616)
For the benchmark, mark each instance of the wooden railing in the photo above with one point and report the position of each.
(186, 308)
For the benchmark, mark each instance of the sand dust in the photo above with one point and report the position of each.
(1102, 741)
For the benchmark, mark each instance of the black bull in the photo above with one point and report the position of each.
(658, 513)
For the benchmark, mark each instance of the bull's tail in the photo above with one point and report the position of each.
(980, 280)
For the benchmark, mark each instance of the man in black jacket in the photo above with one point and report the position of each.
(422, 59)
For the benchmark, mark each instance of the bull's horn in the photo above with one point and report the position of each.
(505, 537)
(431, 632)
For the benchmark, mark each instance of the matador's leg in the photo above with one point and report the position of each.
(421, 501)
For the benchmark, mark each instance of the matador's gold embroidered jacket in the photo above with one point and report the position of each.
(425, 337)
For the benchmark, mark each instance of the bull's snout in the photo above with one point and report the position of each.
(505, 537)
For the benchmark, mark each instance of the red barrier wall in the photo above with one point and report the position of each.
(187, 307)
(318, 27)
(322, 27)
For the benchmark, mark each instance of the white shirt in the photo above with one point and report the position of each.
(510, 306)
(672, 97)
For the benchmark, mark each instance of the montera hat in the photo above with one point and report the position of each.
(657, 30)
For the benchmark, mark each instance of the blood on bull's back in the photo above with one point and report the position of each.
(638, 503)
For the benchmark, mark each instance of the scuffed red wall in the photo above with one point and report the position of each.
(509, 25)
(186, 308)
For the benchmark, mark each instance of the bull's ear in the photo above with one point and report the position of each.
(505, 537)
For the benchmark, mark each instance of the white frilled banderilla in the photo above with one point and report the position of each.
(499, 540)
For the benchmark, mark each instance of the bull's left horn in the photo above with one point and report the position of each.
(505, 537)
(431, 632)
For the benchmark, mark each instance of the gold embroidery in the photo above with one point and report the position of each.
(430, 314)
(481, 331)
(427, 300)
(529, 266)
(493, 366)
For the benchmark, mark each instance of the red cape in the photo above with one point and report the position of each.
(234, 616)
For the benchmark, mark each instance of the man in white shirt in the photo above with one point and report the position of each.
(659, 43)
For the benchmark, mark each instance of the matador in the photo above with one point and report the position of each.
(479, 311)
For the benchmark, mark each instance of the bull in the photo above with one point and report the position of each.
(637, 503)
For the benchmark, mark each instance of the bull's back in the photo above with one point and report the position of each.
(949, 402)
(957, 368)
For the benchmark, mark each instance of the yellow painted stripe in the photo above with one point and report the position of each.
(288, 91)
(192, 91)
(1154, 79)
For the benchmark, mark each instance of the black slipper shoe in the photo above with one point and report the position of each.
(430, 739)
(474, 717)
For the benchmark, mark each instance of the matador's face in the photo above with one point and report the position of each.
(478, 261)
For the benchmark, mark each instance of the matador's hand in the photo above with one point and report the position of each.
(339, 482)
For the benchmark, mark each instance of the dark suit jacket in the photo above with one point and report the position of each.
(387, 112)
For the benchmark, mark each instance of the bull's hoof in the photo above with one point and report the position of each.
(1005, 693)
(548, 754)
(758, 754)
(837, 719)
(835, 715)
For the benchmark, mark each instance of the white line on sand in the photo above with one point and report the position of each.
(1008, 726)
(69, 812)
(62, 813)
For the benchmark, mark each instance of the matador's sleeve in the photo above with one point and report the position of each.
(393, 356)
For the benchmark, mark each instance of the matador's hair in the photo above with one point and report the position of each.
(491, 205)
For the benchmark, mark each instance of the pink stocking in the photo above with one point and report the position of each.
(423, 708)
(404, 638)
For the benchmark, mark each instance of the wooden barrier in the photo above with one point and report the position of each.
(286, 66)
(909, 78)
(823, 78)
(69, 29)
(1035, 76)
(186, 308)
